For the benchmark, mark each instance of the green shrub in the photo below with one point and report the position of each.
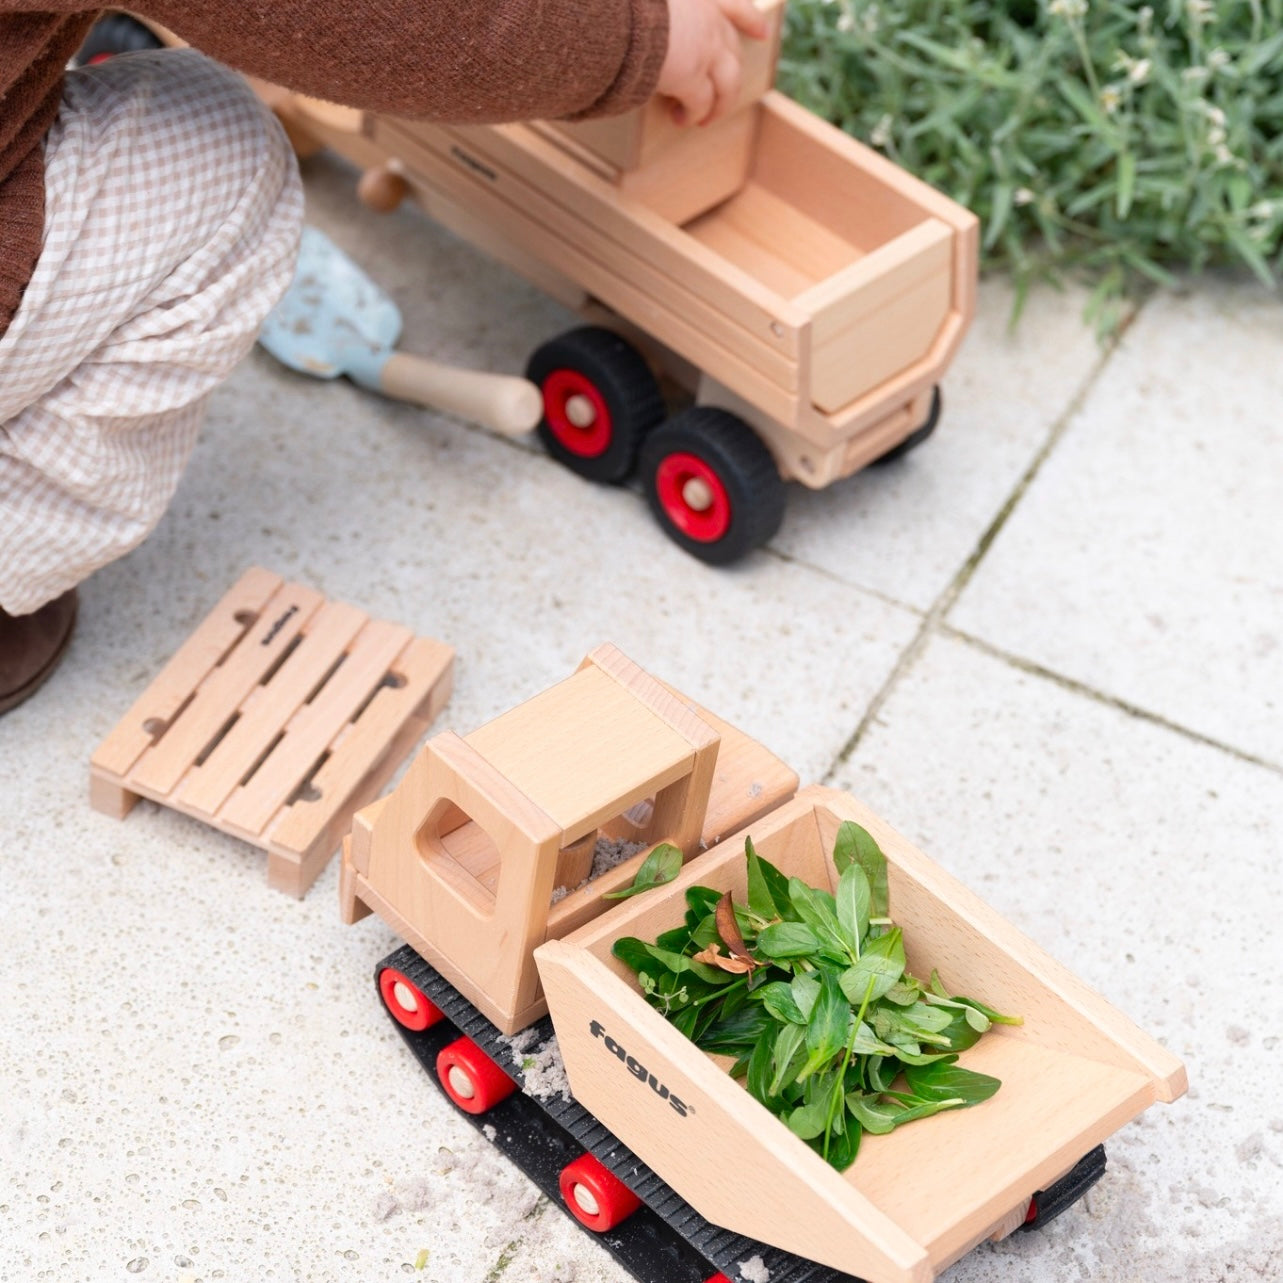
(1099, 136)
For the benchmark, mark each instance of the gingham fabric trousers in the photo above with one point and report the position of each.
(173, 209)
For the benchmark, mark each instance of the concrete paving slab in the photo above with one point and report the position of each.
(905, 529)
(1146, 559)
(1147, 862)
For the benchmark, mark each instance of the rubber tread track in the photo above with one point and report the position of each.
(666, 1241)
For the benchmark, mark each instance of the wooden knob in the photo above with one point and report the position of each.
(382, 188)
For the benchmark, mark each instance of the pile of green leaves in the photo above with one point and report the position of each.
(1118, 138)
(808, 992)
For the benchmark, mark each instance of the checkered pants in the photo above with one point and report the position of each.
(172, 217)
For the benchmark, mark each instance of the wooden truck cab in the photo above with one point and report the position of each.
(484, 850)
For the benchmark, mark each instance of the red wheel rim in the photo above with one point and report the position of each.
(568, 397)
(470, 1078)
(409, 1005)
(693, 497)
(595, 1196)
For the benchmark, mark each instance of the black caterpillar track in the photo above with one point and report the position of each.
(666, 1240)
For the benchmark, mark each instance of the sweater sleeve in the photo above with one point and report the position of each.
(449, 60)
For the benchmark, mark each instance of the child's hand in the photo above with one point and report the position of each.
(701, 70)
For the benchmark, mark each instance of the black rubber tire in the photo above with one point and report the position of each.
(918, 435)
(626, 386)
(733, 453)
(115, 33)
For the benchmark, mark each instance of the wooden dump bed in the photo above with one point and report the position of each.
(817, 287)
(916, 1199)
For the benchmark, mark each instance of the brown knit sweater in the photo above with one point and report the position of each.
(449, 60)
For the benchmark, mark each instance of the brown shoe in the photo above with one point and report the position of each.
(31, 647)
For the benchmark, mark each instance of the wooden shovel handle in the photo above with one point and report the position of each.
(503, 403)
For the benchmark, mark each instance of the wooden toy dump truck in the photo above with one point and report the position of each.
(482, 860)
(800, 293)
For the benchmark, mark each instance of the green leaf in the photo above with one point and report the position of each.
(867, 1043)
(855, 844)
(662, 865)
(808, 1121)
(633, 953)
(702, 901)
(875, 1116)
(787, 1057)
(778, 999)
(828, 1026)
(946, 1080)
(905, 993)
(818, 911)
(853, 900)
(742, 1029)
(958, 1034)
(930, 1017)
(1126, 171)
(995, 1016)
(761, 1064)
(764, 880)
(787, 940)
(1250, 253)
(879, 969)
(839, 1149)
(805, 989)
(775, 882)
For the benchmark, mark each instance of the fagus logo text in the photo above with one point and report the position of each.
(636, 1068)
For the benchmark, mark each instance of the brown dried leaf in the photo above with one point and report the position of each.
(736, 966)
(729, 930)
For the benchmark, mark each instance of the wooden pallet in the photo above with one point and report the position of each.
(279, 717)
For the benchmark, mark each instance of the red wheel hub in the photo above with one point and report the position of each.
(595, 1196)
(693, 497)
(470, 1078)
(409, 1005)
(577, 414)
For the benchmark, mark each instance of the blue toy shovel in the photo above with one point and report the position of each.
(334, 320)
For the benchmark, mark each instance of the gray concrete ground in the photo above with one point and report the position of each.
(1047, 647)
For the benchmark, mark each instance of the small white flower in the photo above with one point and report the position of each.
(1218, 60)
(1195, 75)
(1070, 9)
(1136, 69)
(1199, 11)
(1110, 98)
(1022, 196)
(881, 135)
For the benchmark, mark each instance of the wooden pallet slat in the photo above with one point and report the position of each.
(312, 730)
(208, 785)
(222, 628)
(219, 693)
(274, 721)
